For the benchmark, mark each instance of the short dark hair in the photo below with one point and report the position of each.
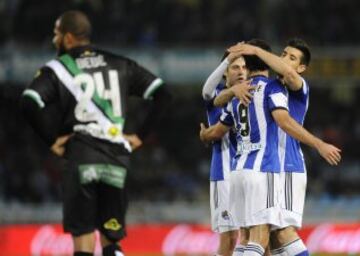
(302, 46)
(254, 63)
(226, 53)
(76, 23)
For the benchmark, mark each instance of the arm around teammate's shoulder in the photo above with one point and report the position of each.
(293, 80)
(224, 97)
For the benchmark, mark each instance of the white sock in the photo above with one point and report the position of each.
(239, 250)
(279, 252)
(254, 249)
(296, 247)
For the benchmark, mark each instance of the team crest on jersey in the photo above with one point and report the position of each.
(114, 131)
(112, 224)
(225, 215)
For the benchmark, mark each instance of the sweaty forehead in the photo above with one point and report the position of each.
(293, 51)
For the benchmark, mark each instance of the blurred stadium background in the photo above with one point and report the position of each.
(182, 41)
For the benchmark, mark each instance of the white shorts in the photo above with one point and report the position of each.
(292, 198)
(221, 218)
(254, 198)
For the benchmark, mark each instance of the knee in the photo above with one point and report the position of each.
(260, 235)
(244, 236)
(285, 236)
(233, 240)
(84, 242)
(264, 241)
(228, 242)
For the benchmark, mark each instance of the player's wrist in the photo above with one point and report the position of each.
(232, 90)
(318, 143)
(257, 51)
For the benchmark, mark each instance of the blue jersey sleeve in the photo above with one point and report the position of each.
(277, 96)
(226, 117)
(210, 102)
(302, 94)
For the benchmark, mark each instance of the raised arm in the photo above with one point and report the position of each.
(213, 80)
(291, 78)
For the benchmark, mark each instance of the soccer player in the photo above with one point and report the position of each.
(77, 104)
(234, 69)
(257, 179)
(254, 176)
(259, 73)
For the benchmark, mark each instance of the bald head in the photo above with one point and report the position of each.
(75, 23)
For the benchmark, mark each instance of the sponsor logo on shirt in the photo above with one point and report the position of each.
(112, 224)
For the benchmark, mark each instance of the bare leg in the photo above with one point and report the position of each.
(260, 235)
(227, 242)
(244, 236)
(287, 241)
(84, 243)
(258, 241)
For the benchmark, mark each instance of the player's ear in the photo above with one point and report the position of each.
(301, 68)
(69, 40)
(225, 73)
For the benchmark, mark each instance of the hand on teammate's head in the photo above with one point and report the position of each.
(233, 56)
(243, 49)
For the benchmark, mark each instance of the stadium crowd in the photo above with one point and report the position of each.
(160, 22)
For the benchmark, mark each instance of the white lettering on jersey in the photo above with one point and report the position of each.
(91, 62)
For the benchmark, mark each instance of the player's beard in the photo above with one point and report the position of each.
(61, 48)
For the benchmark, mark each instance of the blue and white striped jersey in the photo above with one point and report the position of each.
(291, 156)
(223, 150)
(257, 132)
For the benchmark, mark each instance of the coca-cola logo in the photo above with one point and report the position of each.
(184, 239)
(330, 238)
(48, 241)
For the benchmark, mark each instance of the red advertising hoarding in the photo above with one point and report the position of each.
(165, 239)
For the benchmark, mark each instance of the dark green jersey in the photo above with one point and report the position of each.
(86, 90)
